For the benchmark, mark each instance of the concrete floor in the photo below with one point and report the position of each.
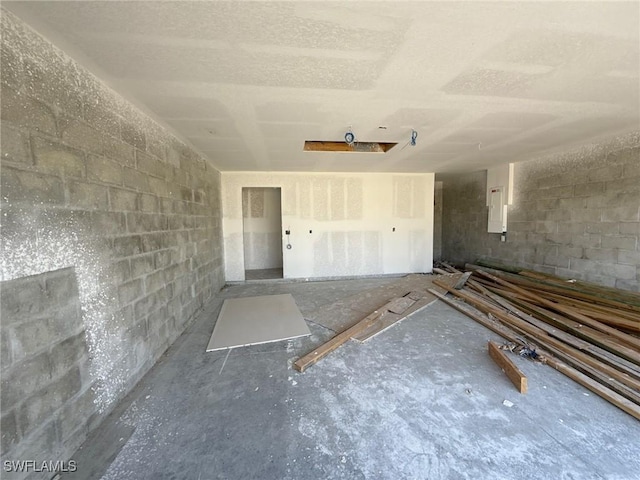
(264, 274)
(422, 400)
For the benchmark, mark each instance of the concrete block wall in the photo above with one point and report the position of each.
(45, 384)
(575, 215)
(90, 182)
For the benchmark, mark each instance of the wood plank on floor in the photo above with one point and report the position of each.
(326, 348)
(510, 369)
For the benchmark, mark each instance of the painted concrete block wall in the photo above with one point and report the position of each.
(46, 386)
(341, 224)
(262, 217)
(91, 183)
(575, 215)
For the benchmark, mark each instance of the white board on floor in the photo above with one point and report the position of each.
(254, 320)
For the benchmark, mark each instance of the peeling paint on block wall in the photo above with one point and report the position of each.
(31, 246)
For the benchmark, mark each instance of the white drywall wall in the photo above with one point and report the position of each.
(262, 233)
(351, 218)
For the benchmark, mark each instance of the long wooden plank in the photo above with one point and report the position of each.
(514, 374)
(326, 146)
(547, 334)
(616, 381)
(499, 266)
(384, 321)
(449, 279)
(579, 359)
(460, 283)
(326, 348)
(599, 389)
(450, 268)
(613, 312)
(631, 354)
(399, 304)
(597, 372)
(440, 271)
(619, 347)
(611, 318)
(563, 290)
(624, 296)
(492, 325)
(594, 349)
(384, 324)
(586, 287)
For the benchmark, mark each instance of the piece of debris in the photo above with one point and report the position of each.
(523, 349)
(507, 403)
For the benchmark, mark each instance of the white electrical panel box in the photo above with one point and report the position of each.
(499, 196)
(497, 210)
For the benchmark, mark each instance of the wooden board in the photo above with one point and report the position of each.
(421, 300)
(327, 146)
(508, 367)
(483, 320)
(545, 333)
(630, 354)
(399, 305)
(603, 391)
(567, 352)
(325, 349)
(346, 312)
(463, 279)
(449, 280)
(386, 320)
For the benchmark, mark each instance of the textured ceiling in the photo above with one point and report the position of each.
(247, 83)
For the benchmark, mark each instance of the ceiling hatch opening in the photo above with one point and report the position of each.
(360, 147)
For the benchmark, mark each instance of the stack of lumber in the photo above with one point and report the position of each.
(588, 332)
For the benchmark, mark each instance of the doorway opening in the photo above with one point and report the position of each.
(262, 232)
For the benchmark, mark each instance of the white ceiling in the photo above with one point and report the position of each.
(247, 83)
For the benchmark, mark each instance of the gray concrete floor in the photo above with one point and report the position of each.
(422, 400)
(264, 274)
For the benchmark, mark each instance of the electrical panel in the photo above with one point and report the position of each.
(497, 210)
(499, 196)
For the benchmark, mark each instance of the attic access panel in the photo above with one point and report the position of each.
(360, 147)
